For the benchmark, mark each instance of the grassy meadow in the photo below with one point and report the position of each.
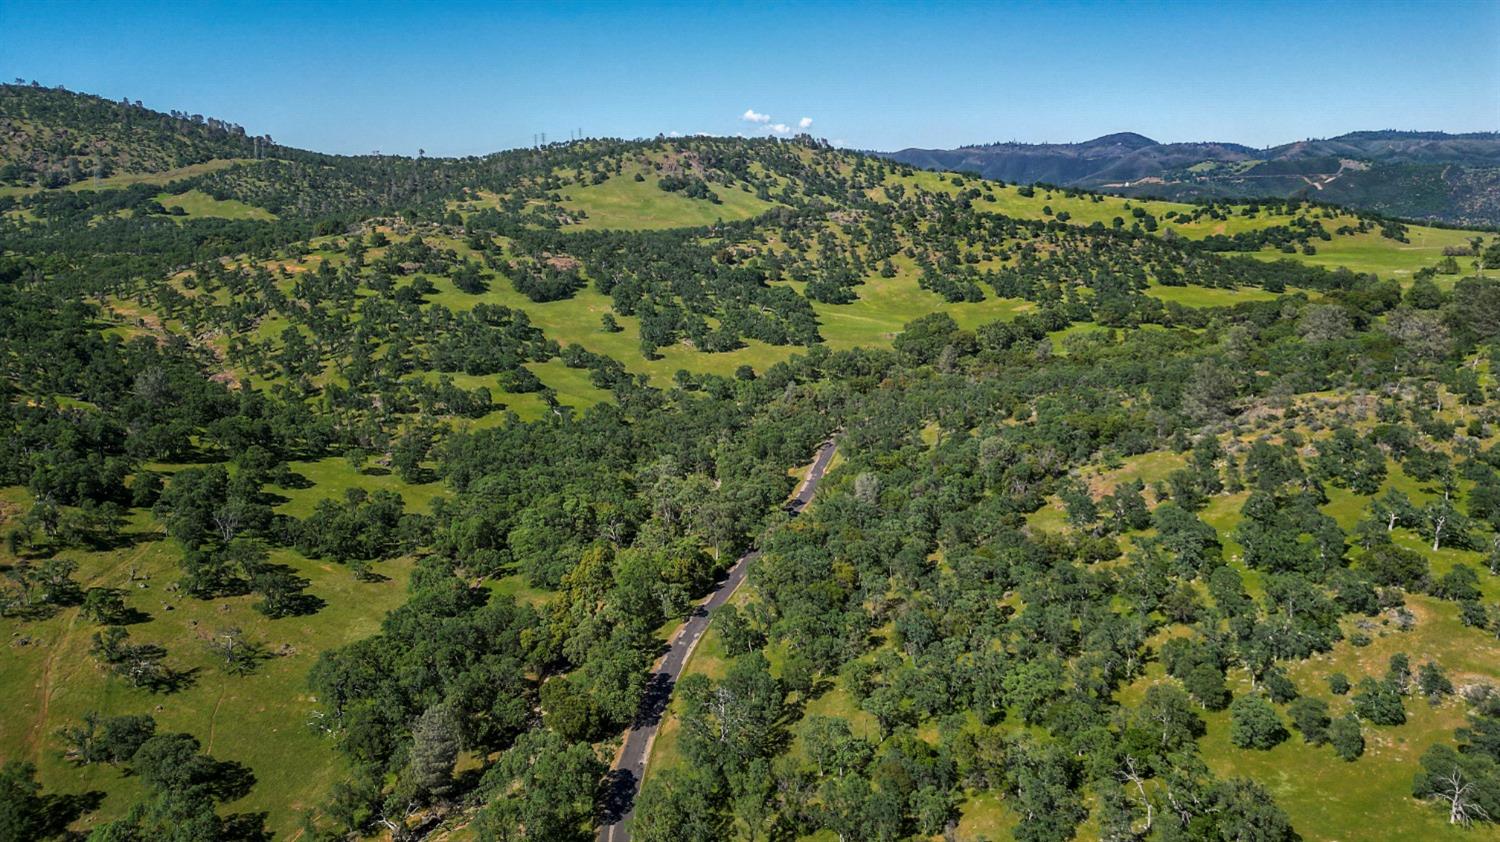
(621, 202)
(196, 203)
(264, 720)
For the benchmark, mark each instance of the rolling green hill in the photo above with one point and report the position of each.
(384, 479)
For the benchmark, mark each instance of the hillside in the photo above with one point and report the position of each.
(354, 497)
(51, 137)
(1453, 178)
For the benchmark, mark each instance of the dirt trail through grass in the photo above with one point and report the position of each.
(65, 640)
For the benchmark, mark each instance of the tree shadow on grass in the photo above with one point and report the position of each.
(171, 680)
(245, 827)
(59, 811)
(230, 780)
(365, 572)
(821, 685)
(299, 605)
(283, 592)
(294, 480)
(131, 616)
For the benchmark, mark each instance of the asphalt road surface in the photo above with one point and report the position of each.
(630, 764)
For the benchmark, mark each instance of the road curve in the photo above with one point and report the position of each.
(629, 768)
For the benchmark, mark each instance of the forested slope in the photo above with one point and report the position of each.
(1452, 178)
(50, 137)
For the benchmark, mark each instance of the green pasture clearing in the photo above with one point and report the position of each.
(1330, 799)
(1196, 296)
(572, 385)
(1149, 468)
(1059, 337)
(330, 477)
(885, 305)
(576, 321)
(986, 815)
(1385, 257)
(196, 203)
(518, 588)
(621, 202)
(48, 679)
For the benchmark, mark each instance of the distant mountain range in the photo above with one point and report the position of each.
(1452, 178)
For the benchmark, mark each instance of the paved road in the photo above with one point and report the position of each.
(630, 764)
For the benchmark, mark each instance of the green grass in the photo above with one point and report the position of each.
(115, 182)
(1196, 296)
(576, 321)
(986, 815)
(260, 720)
(572, 385)
(1368, 252)
(1149, 468)
(1385, 257)
(621, 202)
(199, 204)
(1329, 799)
(1059, 337)
(1368, 799)
(1084, 209)
(522, 591)
(331, 476)
(885, 305)
(709, 659)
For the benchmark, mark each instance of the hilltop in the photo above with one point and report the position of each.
(1453, 178)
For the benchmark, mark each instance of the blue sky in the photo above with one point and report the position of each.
(461, 78)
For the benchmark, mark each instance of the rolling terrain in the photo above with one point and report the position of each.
(396, 476)
(1452, 178)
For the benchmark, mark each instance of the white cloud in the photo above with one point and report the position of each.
(804, 123)
(779, 128)
(674, 133)
(753, 116)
